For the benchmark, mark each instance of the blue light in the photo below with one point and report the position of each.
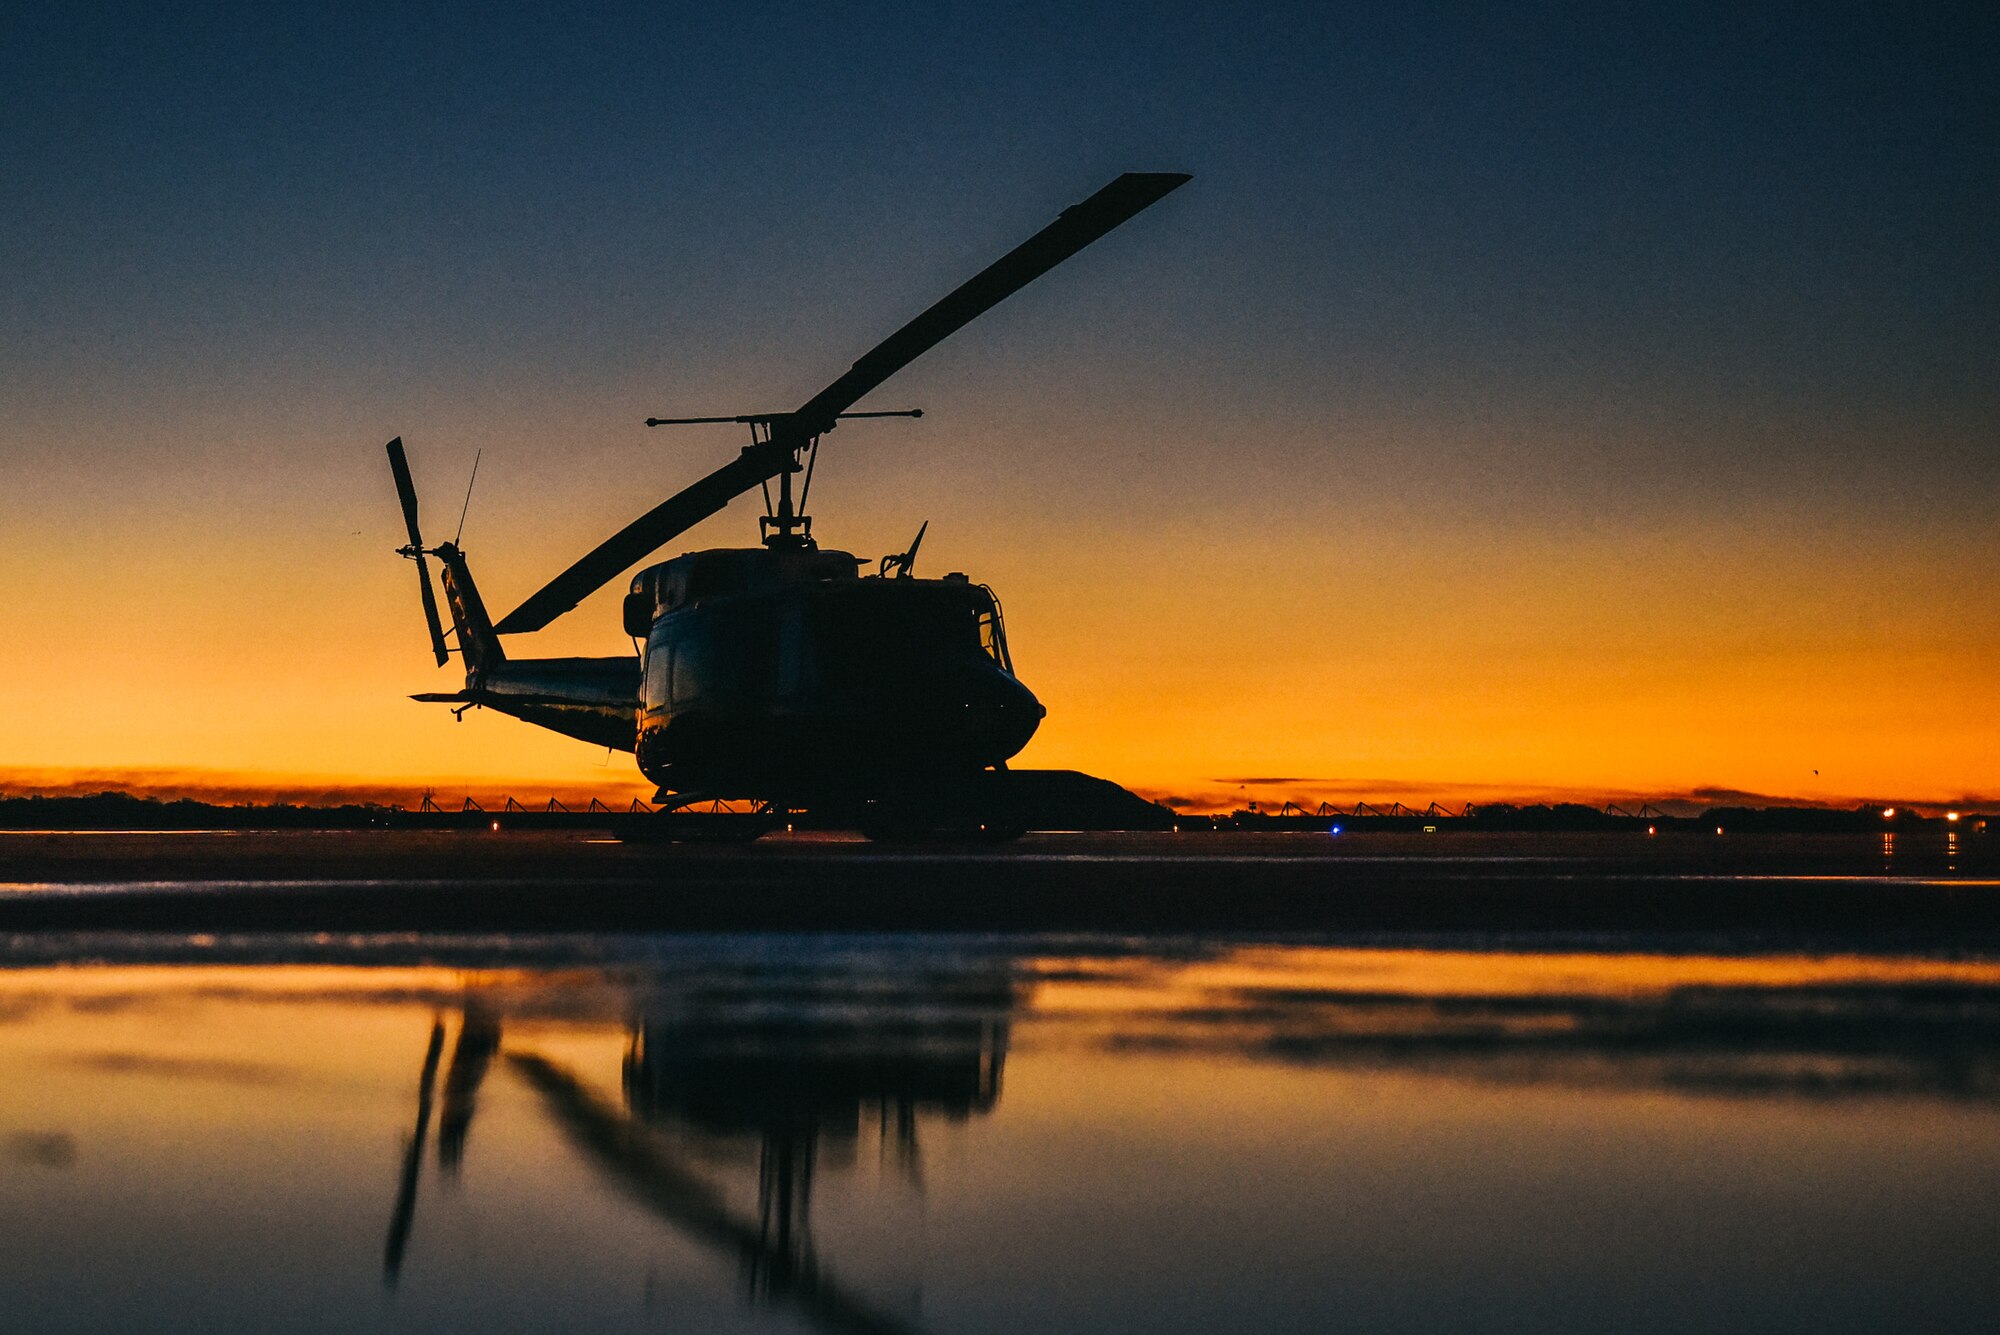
(1334, 830)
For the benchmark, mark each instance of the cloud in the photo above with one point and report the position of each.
(1717, 795)
(1268, 791)
(1282, 780)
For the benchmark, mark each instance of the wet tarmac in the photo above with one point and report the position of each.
(1932, 890)
(882, 1135)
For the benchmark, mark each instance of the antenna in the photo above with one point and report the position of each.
(904, 562)
(468, 497)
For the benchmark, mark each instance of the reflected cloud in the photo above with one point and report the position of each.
(1808, 1027)
(40, 1149)
(220, 1069)
(22, 1008)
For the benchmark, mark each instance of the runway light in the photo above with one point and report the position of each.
(496, 827)
(1334, 830)
(1651, 829)
(1951, 815)
(1718, 829)
(1888, 813)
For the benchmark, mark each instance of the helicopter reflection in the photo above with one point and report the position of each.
(478, 1041)
(800, 1066)
(812, 1074)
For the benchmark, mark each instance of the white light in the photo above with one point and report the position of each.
(1888, 813)
(1951, 815)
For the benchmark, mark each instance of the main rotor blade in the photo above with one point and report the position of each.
(1075, 228)
(405, 489)
(659, 525)
(431, 610)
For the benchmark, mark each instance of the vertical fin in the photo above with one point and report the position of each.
(477, 641)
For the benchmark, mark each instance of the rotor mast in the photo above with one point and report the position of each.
(784, 524)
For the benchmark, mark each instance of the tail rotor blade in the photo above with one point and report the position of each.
(431, 609)
(407, 492)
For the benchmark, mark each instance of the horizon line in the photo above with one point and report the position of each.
(252, 788)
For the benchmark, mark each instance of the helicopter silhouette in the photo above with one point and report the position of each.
(783, 675)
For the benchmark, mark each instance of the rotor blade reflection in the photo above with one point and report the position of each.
(413, 1161)
(630, 1156)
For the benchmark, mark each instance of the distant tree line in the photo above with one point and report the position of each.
(123, 811)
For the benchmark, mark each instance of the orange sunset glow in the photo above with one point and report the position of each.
(1452, 652)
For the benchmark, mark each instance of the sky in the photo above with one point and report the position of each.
(1589, 400)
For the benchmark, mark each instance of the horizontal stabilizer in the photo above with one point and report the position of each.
(499, 699)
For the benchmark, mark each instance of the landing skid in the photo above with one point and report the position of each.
(976, 813)
(698, 819)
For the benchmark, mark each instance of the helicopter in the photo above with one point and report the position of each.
(786, 676)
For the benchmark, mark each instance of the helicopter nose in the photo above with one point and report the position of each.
(1002, 711)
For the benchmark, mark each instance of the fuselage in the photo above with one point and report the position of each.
(776, 674)
(781, 673)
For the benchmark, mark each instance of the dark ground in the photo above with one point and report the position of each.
(1932, 890)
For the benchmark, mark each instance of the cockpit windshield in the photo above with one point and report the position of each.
(992, 628)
